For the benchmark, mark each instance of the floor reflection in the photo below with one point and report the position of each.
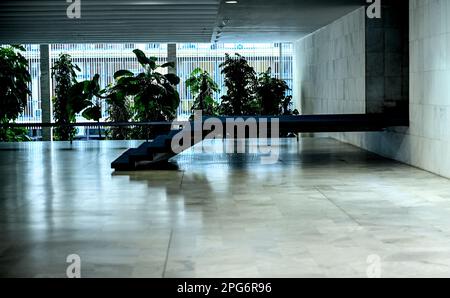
(320, 210)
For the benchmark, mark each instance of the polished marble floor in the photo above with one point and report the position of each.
(325, 209)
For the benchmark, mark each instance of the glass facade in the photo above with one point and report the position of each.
(209, 57)
(32, 113)
(106, 59)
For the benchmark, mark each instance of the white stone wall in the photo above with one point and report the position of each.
(426, 144)
(330, 68)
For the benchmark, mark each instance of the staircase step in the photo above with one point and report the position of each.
(141, 153)
(162, 144)
(157, 151)
(123, 162)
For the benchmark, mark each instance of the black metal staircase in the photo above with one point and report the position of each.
(159, 151)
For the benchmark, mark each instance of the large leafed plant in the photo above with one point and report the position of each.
(85, 98)
(14, 90)
(154, 94)
(73, 97)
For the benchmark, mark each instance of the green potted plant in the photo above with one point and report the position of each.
(65, 76)
(271, 93)
(14, 91)
(119, 110)
(240, 81)
(155, 97)
(84, 98)
(203, 87)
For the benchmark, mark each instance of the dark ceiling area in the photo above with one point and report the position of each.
(279, 20)
(46, 21)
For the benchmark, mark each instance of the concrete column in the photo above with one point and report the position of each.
(172, 56)
(297, 65)
(387, 60)
(45, 80)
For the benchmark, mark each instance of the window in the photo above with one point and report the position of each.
(106, 59)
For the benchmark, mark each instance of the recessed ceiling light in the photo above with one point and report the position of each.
(231, 2)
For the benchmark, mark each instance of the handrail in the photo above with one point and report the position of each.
(310, 123)
(92, 124)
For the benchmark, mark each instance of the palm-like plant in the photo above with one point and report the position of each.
(203, 87)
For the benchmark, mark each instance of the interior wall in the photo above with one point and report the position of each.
(426, 143)
(329, 68)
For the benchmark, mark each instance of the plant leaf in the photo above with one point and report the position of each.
(172, 78)
(93, 113)
(153, 65)
(18, 47)
(196, 71)
(142, 58)
(168, 64)
(123, 73)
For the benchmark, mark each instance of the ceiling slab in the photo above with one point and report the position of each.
(278, 20)
(36, 21)
(46, 21)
